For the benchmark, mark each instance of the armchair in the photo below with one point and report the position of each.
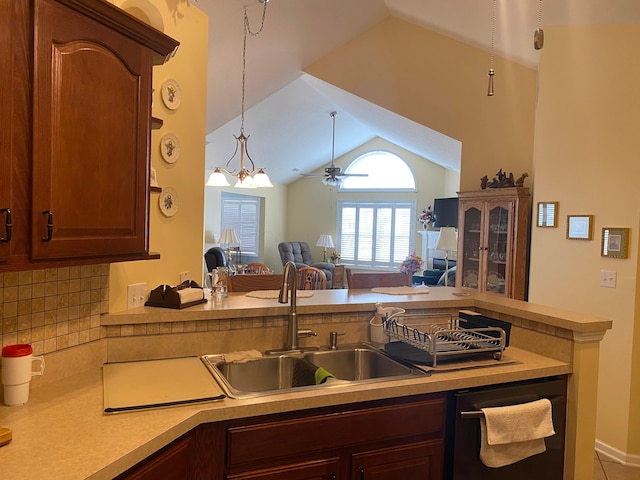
(300, 254)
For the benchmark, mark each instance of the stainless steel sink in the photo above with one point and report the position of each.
(272, 374)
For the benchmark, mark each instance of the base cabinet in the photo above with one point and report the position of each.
(417, 460)
(172, 462)
(383, 440)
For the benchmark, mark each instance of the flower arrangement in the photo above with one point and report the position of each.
(426, 217)
(411, 264)
(335, 256)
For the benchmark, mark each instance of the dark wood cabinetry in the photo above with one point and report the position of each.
(390, 439)
(77, 81)
(175, 461)
(493, 241)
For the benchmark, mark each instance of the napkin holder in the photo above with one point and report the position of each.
(166, 296)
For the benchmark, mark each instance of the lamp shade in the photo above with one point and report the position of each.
(217, 179)
(229, 237)
(325, 241)
(447, 240)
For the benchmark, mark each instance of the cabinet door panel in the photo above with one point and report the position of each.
(173, 462)
(325, 469)
(91, 124)
(417, 461)
(15, 134)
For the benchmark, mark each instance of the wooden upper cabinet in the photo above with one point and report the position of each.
(88, 164)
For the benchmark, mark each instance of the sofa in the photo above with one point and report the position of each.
(300, 254)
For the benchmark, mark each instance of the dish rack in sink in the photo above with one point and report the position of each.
(441, 337)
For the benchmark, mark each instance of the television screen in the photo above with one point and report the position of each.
(445, 212)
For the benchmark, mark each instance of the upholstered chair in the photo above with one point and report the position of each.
(300, 254)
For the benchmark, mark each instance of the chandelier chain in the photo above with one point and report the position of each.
(247, 30)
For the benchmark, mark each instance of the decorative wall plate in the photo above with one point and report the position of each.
(169, 148)
(171, 94)
(169, 201)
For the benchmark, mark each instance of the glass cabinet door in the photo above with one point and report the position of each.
(498, 246)
(471, 248)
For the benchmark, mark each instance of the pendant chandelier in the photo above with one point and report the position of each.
(248, 175)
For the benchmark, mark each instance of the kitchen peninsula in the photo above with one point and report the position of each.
(64, 428)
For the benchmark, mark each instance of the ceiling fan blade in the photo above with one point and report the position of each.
(313, 174)
(352, 174)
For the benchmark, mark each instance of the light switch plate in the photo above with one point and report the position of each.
(136, 294)
(608, 278)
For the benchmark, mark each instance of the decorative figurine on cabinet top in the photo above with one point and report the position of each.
(502, 180)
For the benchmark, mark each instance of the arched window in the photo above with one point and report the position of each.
(383, 170)
(377, 232)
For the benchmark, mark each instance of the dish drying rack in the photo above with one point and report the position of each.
(440, 336)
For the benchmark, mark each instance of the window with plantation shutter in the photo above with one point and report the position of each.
(242, 212)
(375, 233)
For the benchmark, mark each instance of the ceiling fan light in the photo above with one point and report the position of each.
(217, 179)
(261, 179)
(332, 181)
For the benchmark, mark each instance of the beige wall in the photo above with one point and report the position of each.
(274, 220)
(442, 84)
(314, 211)
(178, 239)
(586, 158)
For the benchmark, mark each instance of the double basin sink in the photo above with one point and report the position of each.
(293, 371)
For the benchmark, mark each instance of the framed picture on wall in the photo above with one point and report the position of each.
(580, 227)
(547, 214)
(615, 242)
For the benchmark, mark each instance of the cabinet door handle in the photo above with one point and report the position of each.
(8, 226)
(49, 214)
(332, 476)
(361, 470)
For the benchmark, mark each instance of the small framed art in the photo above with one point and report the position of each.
(547, 214)
(615, 242)
(580, 227)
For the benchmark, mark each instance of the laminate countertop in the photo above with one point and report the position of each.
(62, 432)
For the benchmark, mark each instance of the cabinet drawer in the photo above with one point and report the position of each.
(278, 439)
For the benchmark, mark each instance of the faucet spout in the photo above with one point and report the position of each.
(288, 293)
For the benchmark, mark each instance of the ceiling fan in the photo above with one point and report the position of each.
(333, 175)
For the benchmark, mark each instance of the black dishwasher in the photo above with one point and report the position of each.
(462, 451)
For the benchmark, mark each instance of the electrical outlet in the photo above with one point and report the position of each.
(136, 294)
(185, 276)
(608, 278)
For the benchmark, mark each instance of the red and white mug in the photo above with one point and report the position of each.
(17, 370)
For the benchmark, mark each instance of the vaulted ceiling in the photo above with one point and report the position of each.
(287, 111)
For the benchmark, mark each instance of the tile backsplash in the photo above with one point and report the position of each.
(53, 308)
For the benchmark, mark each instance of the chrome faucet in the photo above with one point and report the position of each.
(289, 283)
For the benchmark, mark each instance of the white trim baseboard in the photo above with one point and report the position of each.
(618, 455)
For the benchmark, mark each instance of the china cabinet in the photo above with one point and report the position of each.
(77, 84)
(493, 241)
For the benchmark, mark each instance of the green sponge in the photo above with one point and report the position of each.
(321, 375)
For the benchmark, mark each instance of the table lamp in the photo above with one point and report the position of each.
(447, 241)
(325, 241)
(229, 237)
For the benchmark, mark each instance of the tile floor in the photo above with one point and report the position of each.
(607, 469)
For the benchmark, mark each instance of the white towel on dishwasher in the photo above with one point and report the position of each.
(515, 432)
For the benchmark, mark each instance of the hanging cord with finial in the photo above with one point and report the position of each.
(493, 35)
(538, 35)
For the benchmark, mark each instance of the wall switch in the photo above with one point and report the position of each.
(185, 276)
(136, 294)
(608, 278)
